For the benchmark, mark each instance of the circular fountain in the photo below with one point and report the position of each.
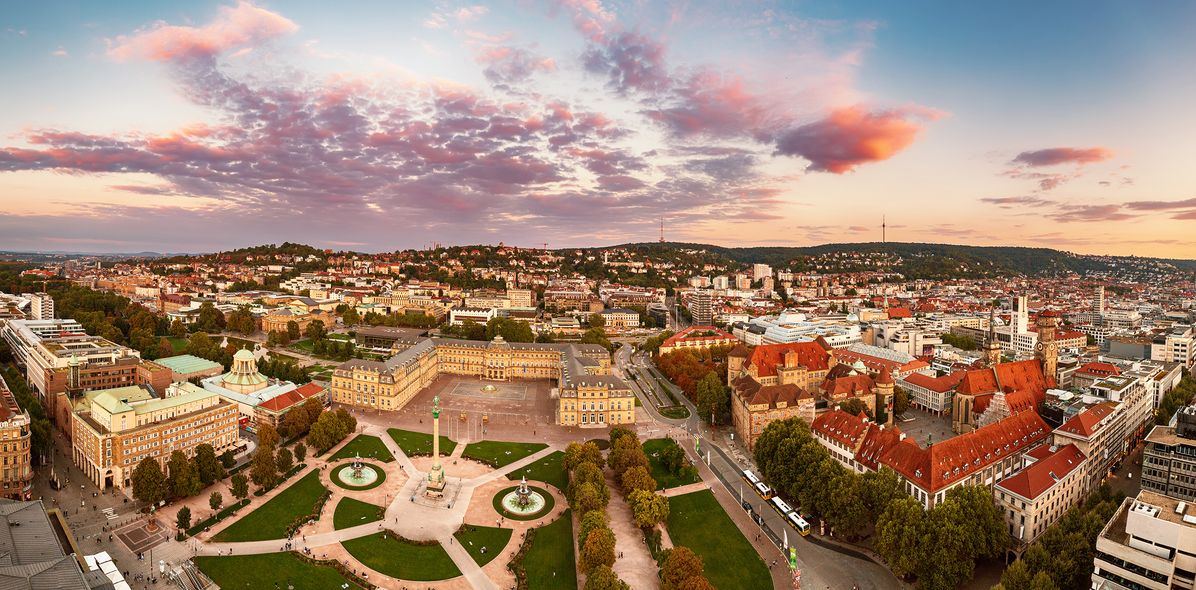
(356, 475)
(488, 388)
(523, 501)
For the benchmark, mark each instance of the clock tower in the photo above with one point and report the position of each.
(1047, 351)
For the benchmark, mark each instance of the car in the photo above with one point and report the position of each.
(747, 506)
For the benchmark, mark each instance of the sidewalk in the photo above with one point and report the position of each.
(634, 563)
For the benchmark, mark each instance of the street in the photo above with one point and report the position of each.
(821, 566)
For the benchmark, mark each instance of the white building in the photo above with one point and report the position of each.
(1150, 544)
(41, 306)
(459, 315)
(760, 271)
(1176, 346)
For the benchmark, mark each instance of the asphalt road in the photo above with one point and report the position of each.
(821, 566)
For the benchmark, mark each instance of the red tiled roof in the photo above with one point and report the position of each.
(1042, 475)
(1085, 423)
(1100, 369)
(755, 394)
(940, 384)
(767, 357)
(847, 386)
(957, 458)
(1016, 376)
(298, 395)
(900, 312)
(877, 441)
(877, 364)
(685, 335)
(840, 426)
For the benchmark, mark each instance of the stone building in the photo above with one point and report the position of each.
(17, 476)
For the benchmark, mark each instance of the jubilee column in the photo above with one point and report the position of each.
(436, 475)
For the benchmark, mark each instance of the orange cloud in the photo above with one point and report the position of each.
(852, 136)
(239, 26)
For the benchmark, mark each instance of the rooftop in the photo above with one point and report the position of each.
(186, 363)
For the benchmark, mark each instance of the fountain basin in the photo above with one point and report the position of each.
(542, 503)
(371, 477)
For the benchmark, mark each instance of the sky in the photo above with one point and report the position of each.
(197, 126)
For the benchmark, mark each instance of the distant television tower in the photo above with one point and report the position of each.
(883, 230)
(661, 230)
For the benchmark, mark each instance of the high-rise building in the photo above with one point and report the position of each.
(721, 282)
(41, 306)
(701, 307)
(759, 271)
(1098, 301)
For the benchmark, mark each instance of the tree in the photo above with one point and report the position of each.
(240, 486)
(178, 329)
(267, 436)
(285, 460)
(165, 349)
(300, 451)
(183, 476)
(604, 578)
(900, 401)
(587, 497)
(680, 565)
(625, 454)
(599, 550)
(712, 398)
(647, 508)
(577, 453)
(672, 456)
(898, 535)
(293, 330)
(987, 535)
(215, 501)
(597, 336)
(854, 406)
(210, 469)
(593, 520)
(351, 317)
(184, 518)
(846, 512)
(228, 459)
(619, 432)
(597, 320)
(210, 319)
(637, 478)
(263, 469)
(315, 330)
(878, 489)
(945, 560)
(149, 483)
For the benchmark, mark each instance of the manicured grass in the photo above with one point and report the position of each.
(474, 537)
(269, 570)
(402, 559)
(549, 503)
(215, 518)
(549, 561)
(697, 521)
(550, 470)
(664, 478)
(335, 475)
(350, 513)
(499, 453)
(675, 412)
(178, 343)
(366, 447)
(419, 443)
(270, 520)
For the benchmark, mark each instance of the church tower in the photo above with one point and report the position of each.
(992, 348)
(1046, 350)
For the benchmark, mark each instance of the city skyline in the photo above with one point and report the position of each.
(204, 126)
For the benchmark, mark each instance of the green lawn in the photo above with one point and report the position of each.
(698, 521)
(474, 537)
(303, 345)
(365, 446)
(419, 443)
(270, 520)
(549, 561)
(499, 453)
(269, 570)
(402, 559)
(178, 343)
(350, 513)
(664, 479)
(550, 470)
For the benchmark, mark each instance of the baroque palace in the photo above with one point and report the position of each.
(587, 394)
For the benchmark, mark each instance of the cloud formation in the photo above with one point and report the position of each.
(238, 26)
(852, 136)
(1063, 155)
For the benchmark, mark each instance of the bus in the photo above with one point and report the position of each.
(750, 477)
(763, 489)
(780, 506)
(799, 523)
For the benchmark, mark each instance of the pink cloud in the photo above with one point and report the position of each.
(1087, 213)
(1161, 205)
(238, 26)
(506, 65)
(1016, 202)
(851, 136)
(1063, 155)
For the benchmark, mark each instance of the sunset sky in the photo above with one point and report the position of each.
(196, 126)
